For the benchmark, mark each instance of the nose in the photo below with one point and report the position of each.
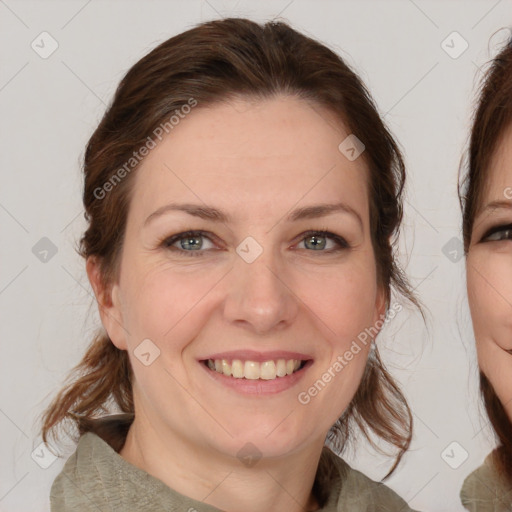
(259, 297)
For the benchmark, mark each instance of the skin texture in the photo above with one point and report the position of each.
(256, 161)
(489, 275)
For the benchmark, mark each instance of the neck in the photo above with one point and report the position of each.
(283, 483)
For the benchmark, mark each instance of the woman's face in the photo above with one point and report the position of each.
(255, 289)
(489, 274)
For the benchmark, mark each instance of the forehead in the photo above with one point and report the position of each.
(498, 177)
(263, 154)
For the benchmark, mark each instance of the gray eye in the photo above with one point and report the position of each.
(192, 242)
(503, 234)
(318, 242)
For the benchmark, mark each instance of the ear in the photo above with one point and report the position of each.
(109, 304)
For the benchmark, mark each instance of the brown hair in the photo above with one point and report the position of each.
(492, 117)
(210, 63)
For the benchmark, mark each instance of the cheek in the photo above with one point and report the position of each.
(345, 301)
(496, 364)
(489, 281)
(163, 303)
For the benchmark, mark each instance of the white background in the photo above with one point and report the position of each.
(49, 108)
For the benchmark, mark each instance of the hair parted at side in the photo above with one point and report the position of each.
(213, 62)
(492, 117)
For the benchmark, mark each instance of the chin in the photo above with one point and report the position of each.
(268, 438)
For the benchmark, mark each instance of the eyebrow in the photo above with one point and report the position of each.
(213, 214)
(497, 205)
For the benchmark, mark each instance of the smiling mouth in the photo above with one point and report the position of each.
(253, 370)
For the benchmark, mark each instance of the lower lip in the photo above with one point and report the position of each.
(259, 386)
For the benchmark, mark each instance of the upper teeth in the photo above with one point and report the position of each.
(267, 370)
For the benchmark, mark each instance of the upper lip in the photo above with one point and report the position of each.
(253, 355)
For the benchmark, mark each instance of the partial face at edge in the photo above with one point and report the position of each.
(489, 274)
(256, 162)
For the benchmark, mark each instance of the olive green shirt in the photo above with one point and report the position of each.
(96, 478)
(485, 491)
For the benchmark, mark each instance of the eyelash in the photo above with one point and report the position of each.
(168, 242)
(497, 229)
